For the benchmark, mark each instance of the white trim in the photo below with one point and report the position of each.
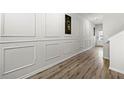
(83, 50)
(106, 58)
(122, 72)
(34, 40)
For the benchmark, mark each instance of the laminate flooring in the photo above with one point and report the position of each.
(86, 65)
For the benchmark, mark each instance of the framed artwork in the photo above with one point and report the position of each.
(67, 24)
(94, 31)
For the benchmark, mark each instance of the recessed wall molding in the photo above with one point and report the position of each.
(4, 59)
(52, 51)
(2, 25)
(68, 47)
(52, 25)
(25, 27)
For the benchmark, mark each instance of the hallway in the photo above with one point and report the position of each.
(49, 44)
(85, 65)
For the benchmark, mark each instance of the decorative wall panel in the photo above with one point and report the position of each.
(16, 24)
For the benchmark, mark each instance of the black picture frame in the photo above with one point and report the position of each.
(67, 24)
(94, 32)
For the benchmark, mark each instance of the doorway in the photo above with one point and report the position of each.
(99, 35)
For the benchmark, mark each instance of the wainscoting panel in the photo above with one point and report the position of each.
(52, 25)
(68, 47)
(15, 58)
(0, 24)
(18, 24)
(82, 44)
(76, 45)
(52, 50)
(18, 59)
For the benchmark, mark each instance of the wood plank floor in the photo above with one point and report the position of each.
(86, 65)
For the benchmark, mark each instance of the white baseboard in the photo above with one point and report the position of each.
(113, 69)
(106, 58)
(51, 65)
(83, 50)
(39, 70)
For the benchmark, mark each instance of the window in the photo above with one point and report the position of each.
(100, 35)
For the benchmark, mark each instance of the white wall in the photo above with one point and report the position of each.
(117, 52)
(112, 24)
(30, 43)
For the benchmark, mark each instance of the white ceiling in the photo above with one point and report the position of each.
(96, 18)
